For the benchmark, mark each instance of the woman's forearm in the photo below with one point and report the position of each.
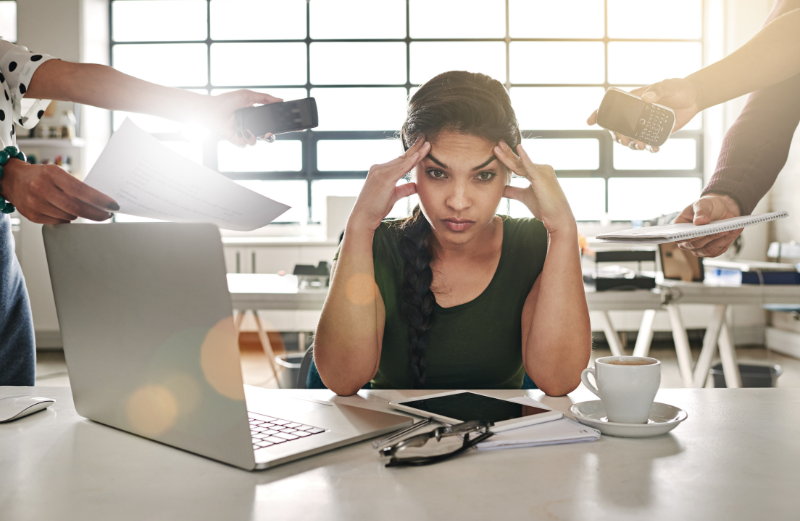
(347, 343)
(771, 56)
(107, 88)
(559, 342)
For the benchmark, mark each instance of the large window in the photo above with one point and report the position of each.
(8, 21)
(361, 59)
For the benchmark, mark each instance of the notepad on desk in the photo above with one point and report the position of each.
(687, 231)
(554, 432)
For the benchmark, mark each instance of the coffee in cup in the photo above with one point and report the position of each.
(626, 385)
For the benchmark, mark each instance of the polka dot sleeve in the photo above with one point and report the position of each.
(17, 66)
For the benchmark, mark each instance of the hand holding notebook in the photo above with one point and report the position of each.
(687, 231)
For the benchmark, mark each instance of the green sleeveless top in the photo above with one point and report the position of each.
(475, 345)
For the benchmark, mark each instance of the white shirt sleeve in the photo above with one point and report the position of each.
(17, 66)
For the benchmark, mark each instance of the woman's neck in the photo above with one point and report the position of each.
(485, 242)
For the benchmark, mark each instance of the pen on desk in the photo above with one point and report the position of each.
(401, 432)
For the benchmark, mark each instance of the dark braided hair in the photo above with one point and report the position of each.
(456, 101)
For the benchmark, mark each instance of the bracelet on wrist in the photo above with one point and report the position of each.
(7, 154)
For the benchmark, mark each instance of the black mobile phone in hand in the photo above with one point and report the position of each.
(277, 118)
(626, 114)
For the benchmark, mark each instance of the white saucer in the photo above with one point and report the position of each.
(663, 418)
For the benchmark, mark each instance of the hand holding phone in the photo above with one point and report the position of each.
(677, 94)
(627, 114)
(277, 118)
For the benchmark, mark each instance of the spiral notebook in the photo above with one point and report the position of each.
(554, 432)
(686, 231)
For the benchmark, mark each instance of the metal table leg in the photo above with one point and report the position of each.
(681, 344)
(266, 346)
(709, 345)
(727, 354)
(611, 334)
(645, 336)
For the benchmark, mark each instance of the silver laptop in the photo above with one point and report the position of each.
(151, 349)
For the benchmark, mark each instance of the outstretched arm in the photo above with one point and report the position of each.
(556, 333)
(105, 87)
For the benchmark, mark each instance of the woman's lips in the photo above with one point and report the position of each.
(457, 225)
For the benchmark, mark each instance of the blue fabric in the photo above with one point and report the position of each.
(313, 380)
(17, 345)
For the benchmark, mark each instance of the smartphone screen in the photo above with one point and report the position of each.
(471, 406)
(620, 113)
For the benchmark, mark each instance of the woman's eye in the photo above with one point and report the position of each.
(485, 176)
(436, 174)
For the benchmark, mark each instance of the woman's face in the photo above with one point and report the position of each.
(460, 184)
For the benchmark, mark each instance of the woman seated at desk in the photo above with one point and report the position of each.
(455, 296)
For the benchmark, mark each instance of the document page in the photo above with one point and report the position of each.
(148, 179)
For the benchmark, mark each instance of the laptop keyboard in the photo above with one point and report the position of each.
(267, 431)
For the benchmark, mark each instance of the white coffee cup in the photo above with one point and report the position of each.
(627, 386)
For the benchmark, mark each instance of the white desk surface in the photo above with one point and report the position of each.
(736, 457)
(271, 291)
(752, 294)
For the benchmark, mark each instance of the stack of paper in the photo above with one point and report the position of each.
(687, 231)
(554, 432)
(150, 180)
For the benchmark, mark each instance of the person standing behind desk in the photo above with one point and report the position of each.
(756, 147)
(46, 194)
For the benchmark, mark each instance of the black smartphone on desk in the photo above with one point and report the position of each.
(626, 114)
(278, 118)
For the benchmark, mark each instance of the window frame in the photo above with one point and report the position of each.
(309, 138)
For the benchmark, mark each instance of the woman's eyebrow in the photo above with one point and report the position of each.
(429, 156)
(482, 165)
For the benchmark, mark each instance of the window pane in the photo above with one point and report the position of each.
(150, 20)
(357, 154)
(358, 63)
(351, 19)
(431, 58)
(555, 19)
(340, 108)
(675, 19)
(676, 154)
(258, 64)
(649, 62)
(564, 154)
(176, 64)
(457, 18)
(293, 193)
(8, 21)
(282, 155)
(586, 197)
(555, 108)
(628, 200)
(258, 19)
(557, 62)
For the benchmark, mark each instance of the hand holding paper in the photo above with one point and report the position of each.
(148, 179)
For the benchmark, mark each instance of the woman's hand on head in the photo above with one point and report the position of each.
(544, 196)
(220, 110)
(46, 194)
(381, 191)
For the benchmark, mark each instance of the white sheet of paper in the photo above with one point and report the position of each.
(148, 179)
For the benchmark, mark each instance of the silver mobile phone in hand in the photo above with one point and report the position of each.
(626, 114)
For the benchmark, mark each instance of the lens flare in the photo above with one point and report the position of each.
(219, 358)
(152, 410)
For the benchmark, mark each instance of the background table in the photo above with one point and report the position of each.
(734, 458)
